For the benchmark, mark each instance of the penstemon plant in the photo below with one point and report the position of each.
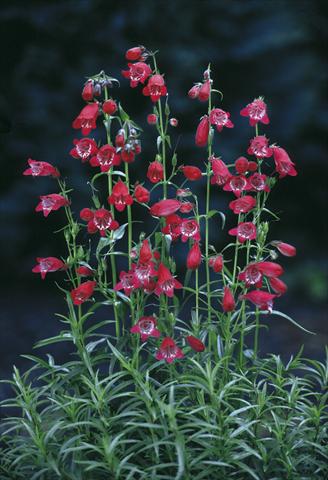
(171, 385)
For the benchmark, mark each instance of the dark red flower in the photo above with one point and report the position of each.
(155, 88)
(221, 173)
(252, 166)
(189, 229)
(109, 107)
(137, 73)
(105, 158)
(204, 91)
(86, 214)
(50, 203)
(259, 147)
(146, 327)
(120, 196)
(164, 208)
(284, 165)
(192, 173)
(243, 204)
(258, 182)
(134, 53)
(263, 300)
(278, 286)
(41, 169)
(84, 149)
(172, 226)
(236, 184)
(168, 350)
(88, 91)
(252, 274)
(128, 282)
(194, 257)
(141, 194)
(220, 119)
(195, 343)
(120, 138)
(228, 302)
(256, 111)
(166, 283)
(186, 207)
(83, 292)
(285, 248)
(244, 231)
(152, 119)
(216, 263)
(155, 172)
(194, 91)
(86, 120)
(85, 271)
(202, 132)
(99, 220)
(48, 264)
(241, 165)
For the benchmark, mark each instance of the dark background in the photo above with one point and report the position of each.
(272, 48)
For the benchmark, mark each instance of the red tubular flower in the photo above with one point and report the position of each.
(155, 172)
(41, 169)
(256, 111)
(164, 208)
(244, 231)
(86, 214)
(141, 194)
(84, 149)
(166, 283)
(252, 274)
(86, 120)
(100, 220)
(105, 158)
(204, 91)
(236, 184)
(194, 257)
(220, 119)
(195, 343)
(221, 173)
(84, 271)
(88, 92)
(168, 350)
(194, 91)
(263, 300)
(252, 166)
(228, 302)
(259, 147)
(258, 182)
(216, 263)
(189, 228)
(285, 248)
(109, 107)
(192, 173)
(172, 226)
(134, 53)
(83, 292)
(202, 132)
(186, 207)
(243, 204)
(128, 282)
(137, 73)
(50, 203)
(120, 196)
(284, 165)
(145, 254)
(152, 119)
(146, 327)
(241, 165)
(48, 264)
(155, 88)
(278, 286)
(270, 269)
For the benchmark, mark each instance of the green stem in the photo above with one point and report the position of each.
(208, 195)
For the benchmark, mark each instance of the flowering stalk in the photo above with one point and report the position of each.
(208, 194)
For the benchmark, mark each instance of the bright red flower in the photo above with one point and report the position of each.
(146, 327)
(84, 149)
(84, 271)
(88, 91)
(192, 173)
(244, 231)
(145, 254)
(86, 214)
(259, 147)
(83, 292)
(141, 194)
(152, 119)
(204, 91)
(48, 264)
(263, 300)
(105, 158)
(285, 248)
(100, 220)
(120, 138)
(134, 53)
(109, 107)
(155, 172)
(128, 282)
(155, 88)
(186, 207)
(41, 169)
(243, 204)
(164, 208)
(228, 302)
(256, 111)
(284, 165)
(278, 286)
(194, 91)
(220, 119)
(194, 258)
(253, 273)
(202, 132)
(86, 120)
(137, 73)
(252, 166)
(258, 182)
(236, 184)
(221, 173)
(216, 263)
(50, 203)
(189, 228)
(120, 196)
(166, 283)
(241, 165)
(168, 350)
(172, 226)
(195, 343)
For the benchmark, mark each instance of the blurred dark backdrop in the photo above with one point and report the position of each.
(272, 48)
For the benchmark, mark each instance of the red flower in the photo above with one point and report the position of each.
(256, 111)
(166, 283)
(80, 294)
(146, 326)
(261, 299)
(164, 208)
(137, 73)
(192, 173)
(155, 88)
(155, 172)
(48, 264)
(141, 194)
(202, 132)
(172, 226)
(189, 228)
(243, 204)
(221, 172)
(100, 220)
(220, 119)
(128, 282)
(86, 214)
(285, 248)
(109, 107)
(284, 165)
(152, 119)
(195, 343)
(50, 203)
(278, 286)
(244, 231)
(86, 120)
(106, 157)
(41, 169)
(186, 207)
(168, 350)
(252, 275)
(204, 91)
(216, 263)
(120, 196)
(259, 147)
(241, 165)
(84, 271)
(194, 257)
(236, 184)
(145, 254)
(258, 182)
(84, 148)
(134, 53)
(194, 91)
(88, 92)
(228, 302)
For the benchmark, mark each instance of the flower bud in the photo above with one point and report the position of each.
(202, 132)
(194, 257)
(228, 302)
(109, 107)
(152, 119)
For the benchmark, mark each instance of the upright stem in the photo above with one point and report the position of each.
(129, 237)
(208, 194)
